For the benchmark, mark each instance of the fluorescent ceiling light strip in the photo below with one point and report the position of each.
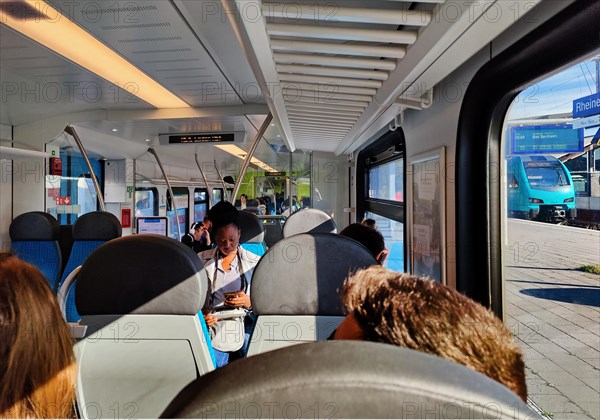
(240, 153)
(63, 36)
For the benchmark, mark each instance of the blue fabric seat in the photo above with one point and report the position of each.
(34, 237)
(89, 232)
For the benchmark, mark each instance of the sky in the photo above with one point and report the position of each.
(555, 94)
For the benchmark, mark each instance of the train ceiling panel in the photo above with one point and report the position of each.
(338, 71)
(37, 84)
(156, 39)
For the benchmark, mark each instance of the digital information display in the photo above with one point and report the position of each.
(201, 138)
(545, 139)
(155, 225)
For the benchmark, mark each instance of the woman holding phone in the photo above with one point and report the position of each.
(229, 268)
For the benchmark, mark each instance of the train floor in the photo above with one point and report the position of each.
(553, 309)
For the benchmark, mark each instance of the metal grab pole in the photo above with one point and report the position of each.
(222, 180)
(290, 178)
(70, 130)
(205, 180)
(173, 203)
(259, 134)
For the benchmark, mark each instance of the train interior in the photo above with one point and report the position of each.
(399, 111)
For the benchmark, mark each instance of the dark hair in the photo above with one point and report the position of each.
(369, 222)
(369, 237)
(420, 314)
(223, 214)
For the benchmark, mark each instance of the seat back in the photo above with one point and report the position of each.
(296, 285)
(34, 237)
(308, 221)
(139, 297)
(253, 233)
(89, 232)
(347, 379)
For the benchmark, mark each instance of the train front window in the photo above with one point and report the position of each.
(551, 200)
(545, 174)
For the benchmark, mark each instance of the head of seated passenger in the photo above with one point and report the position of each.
(369, 222)
(36, 353)
(226, 227)
(420, 314)
(369, 237)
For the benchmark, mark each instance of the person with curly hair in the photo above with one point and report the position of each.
(421, 314)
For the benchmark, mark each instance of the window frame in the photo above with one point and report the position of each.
(390, 209)
(569, 36)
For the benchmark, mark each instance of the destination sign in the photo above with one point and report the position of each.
(282, 173)
(586, 106)
(545, 139)
(201, 138)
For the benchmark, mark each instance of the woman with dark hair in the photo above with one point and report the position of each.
(36, 351)
(229, 268)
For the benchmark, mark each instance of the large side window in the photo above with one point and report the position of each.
(146, 202)
(380, 192)
(200, 203)
(182, 200)
(217, 195)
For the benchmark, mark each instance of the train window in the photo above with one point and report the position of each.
(146, 202)
(550, 199)
(387, 181)
(217, 195)
(182, 201)
(200, 203)
(72, 193)
(380, 183)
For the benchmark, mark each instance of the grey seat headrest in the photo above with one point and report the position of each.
(346, 379)
(141, 274)
(308, 221)
(302, 275)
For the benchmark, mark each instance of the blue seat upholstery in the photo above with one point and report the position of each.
(308, 221)
(139, 297)
(295, 288)
(34, 237)
(89, 232)
(253, 233)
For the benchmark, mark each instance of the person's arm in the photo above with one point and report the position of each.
(208, 318)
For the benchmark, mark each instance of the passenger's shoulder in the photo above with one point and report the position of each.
(207, 255)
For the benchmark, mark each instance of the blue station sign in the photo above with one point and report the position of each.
(545, 139)
(586, 106)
